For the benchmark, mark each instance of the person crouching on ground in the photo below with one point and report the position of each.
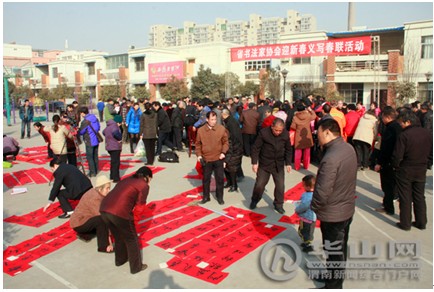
(74, 181)
(117, 212)
(10, 147)
(86, 219)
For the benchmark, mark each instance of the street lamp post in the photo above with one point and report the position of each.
(284, 74)
(428, 76)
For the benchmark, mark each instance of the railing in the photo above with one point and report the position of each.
(367, 65)
(251, 76)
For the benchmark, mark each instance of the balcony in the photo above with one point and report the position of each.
(252, 76)
(362, 68)
(356, 66)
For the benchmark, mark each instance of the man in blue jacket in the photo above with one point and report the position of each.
(100, 105)
(89, 128)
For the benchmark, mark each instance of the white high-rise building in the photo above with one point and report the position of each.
(256, 31)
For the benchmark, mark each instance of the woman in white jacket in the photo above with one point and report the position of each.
(58, 134)
(364, 137)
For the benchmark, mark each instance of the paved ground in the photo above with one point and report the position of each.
(78, 265)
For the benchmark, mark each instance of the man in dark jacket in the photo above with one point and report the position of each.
(89, 128)
(333, 199)
(125, 108)
(74, 181)
(235, 153)
(384, 163)
(148, 132)
(426, 122)
(164, 128)
(26, 116)
(270, 153)
(410, 157)
(263, 107)
(178, 124)
(250, 119)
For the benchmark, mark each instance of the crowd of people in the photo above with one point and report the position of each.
(342, 138)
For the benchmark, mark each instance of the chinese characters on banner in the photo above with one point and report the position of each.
(337, 47)
(161, 72)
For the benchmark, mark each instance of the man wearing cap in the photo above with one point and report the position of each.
(75, 183)
(86, 219)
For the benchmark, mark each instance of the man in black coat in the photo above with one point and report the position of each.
(333, 199)
(235, 153)
(271, 152)
(164, 128)
(177, 119)
(410, 157)
(74, 181)
(384, 163)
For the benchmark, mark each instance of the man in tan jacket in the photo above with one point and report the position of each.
(211, 147)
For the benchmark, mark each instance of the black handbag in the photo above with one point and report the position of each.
(98, 135)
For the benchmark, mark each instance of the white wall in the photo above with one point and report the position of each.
(413, 37)
(20, 51)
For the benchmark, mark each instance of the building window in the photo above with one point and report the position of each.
(140, 64)
(257, 65)
(351, 92)
(91, 68)
(305, 60)
(116, 61)
(54, 72)
(426, 47)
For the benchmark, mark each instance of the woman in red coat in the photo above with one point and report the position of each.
(117, 212)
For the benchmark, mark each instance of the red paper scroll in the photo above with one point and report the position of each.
(16, 258)
(206, 250)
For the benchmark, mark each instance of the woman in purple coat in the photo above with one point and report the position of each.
(117, 212)
(113, 145)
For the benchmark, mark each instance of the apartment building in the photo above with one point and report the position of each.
(256, 31)
(22, 59)
(402, 53)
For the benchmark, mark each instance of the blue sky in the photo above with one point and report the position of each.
(113, 27)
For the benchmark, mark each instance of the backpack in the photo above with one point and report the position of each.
(169, 156)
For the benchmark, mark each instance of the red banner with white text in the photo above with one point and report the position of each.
(337, 47)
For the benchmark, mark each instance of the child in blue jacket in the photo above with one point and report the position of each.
(307, 216)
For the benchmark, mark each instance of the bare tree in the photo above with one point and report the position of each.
(406, 87)
(271, 83)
